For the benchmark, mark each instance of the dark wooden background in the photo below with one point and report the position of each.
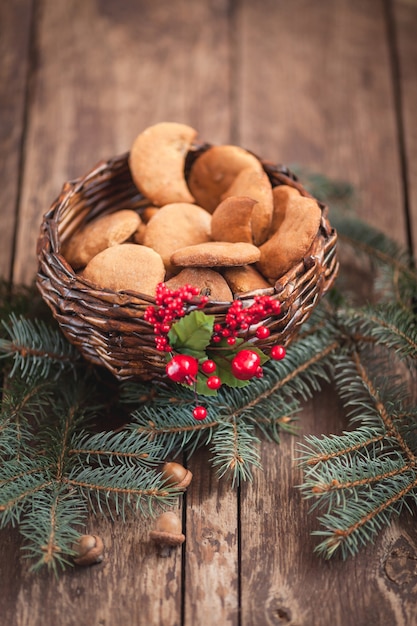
(326, 84)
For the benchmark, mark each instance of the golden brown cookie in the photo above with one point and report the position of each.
(102, 233)
(280, 194)
(157, 159)
(244, 279)
(209, 282)
(175, 226)
(139, 234)
(291, 242)
(216, 254)
(232, 220)
(148, 212)
(255, 184)
(126, 267)
(214, 171)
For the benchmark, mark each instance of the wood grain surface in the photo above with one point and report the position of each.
(327, 85)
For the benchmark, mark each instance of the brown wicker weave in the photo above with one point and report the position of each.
(108, 327)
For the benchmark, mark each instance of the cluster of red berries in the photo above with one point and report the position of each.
(239, 319)
(246, 364)
(170, 305)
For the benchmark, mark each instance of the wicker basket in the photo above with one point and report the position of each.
(108, 327)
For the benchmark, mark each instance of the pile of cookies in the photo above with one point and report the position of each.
(224, 228)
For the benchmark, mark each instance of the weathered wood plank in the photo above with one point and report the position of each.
(316, 92)
(284, 582)
(110, 72)
(15, 22)
(405, 24)
(211, 575)
(132, 585)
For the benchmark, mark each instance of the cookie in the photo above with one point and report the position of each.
(281, 194)
(148, 212)
(157, 160)
(126, 267)
(244, 279)
(256, 185)
(175, 226)
(300, 222)
(209, 282)
(98, 235)
(216, 254)
(139, 234)
(232, 220)
(214, 171)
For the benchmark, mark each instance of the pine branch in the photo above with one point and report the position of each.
(54, 468)
(235, 450)
(391, 327)
(50, 528)
(362, 477)
(35, 347)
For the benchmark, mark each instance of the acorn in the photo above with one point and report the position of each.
(176, 475)
(167, 533)
(89, 550)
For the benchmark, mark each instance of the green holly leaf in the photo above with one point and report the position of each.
(192, 333)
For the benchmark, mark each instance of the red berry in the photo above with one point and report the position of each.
(278, 352)
(182, 369)
(262, 332)
(208, 367)
(214, 382)
(245, 364)
(199, 413)
(259, 372)
(231, 341)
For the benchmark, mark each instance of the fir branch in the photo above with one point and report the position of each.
(349, 528)
(107, 449)
(234, 450)
(389, 326)
(316, 450)
(362, 477)
(126, 488)
(50, 528)
(35, 347)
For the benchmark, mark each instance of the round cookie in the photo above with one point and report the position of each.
(209, 282)
(295, 234)
(215, 170)
(175, 226)
(256, 185)
(98, 235)
(232, 220)
(216, 254)
(244, 279)
(157, 160)
(126, 267)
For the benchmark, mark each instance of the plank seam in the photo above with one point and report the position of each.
(31, 65)
(395, 68)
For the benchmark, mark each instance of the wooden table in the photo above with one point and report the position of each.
(328, 85)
